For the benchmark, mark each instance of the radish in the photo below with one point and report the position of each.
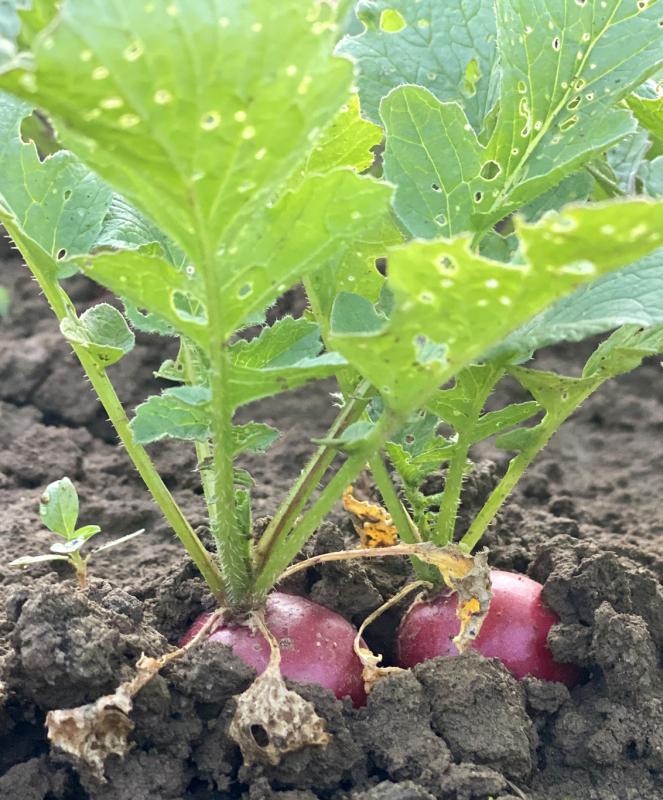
(316, 644)
(515, 630)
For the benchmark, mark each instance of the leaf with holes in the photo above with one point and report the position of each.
(448, 47)
(52, 209)
(560, 86)
(452, 305)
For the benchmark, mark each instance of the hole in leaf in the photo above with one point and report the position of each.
(441, 219)
(490, 170)
(391, 21)
(573, 104)
(409, 439)
(556, 43)
(478, 197)
(260, 735)
(245, 291)
(445, 264)
(61, 254)
(67, 194)
(381, 265)
(567, 124)
(210, 120)
(522, 87)
(435, 188)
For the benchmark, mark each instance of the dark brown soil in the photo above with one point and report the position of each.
(587, 521)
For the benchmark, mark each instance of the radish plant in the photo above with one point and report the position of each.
(213, 154)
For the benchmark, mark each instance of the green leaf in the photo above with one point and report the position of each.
(649, 112)
(58, 508)
(624, 351)
(348, 141)
(124, 227)
(254, 437)
(102, 331)
(184, 413)
(118, 80)
(651, 175)
(632, 295)
(5, 302)
(561, 81)
(453, 305)
(449, 47)
(434, 157)
(283, 357)
(559, 89)
(52, 209)
(626, 158)
(178, 413)
(87, 532)
(148, 281)
(573, 189)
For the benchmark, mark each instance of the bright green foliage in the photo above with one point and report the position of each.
(453, 305)
(348, 141)
(184, 413)
(118, 80)
(448, 47)
(284, 356)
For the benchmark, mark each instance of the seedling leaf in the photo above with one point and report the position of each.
(58, 508)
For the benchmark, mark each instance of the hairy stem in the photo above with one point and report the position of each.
(63, 307)
(232, 544)
(453, 487)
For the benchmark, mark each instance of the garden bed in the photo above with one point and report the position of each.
(586, 520)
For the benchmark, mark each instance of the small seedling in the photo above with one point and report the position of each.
(58, 509)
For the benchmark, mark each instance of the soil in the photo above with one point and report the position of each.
(587, 522)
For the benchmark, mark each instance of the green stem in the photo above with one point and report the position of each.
(287, 548)
(407, 530)
(203, 449)
(232, 544)
(453, 487)
(541, 435)
(296, 499)
(63, 307)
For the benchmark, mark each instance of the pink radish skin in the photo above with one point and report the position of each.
(316, 645)
(515, 630)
